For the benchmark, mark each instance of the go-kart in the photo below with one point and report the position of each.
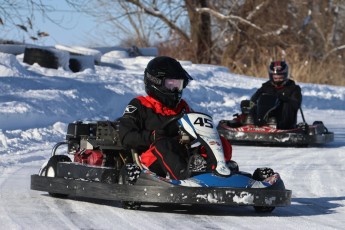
(102, 169)
(262, 130)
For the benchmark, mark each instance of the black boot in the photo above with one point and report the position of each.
(233, 166)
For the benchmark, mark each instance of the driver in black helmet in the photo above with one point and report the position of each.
(141, 123)
(285, 90)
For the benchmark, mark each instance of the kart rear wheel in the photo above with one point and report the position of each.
(130, 205)
(51, 170)
(261, 174)
(43, 169)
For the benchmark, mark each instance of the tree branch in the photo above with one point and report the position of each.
(256, 9)
(156, 13)
(333, 50)
(227, 18)
(275, 32)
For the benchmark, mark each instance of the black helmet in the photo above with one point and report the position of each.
(165, 80)
(278, 68)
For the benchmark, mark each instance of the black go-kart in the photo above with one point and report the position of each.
(102, 168)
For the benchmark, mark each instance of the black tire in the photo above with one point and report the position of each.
(261, 174)
(44, 58)
(74, 65)
(43, 171)
(131, 205)
(317, 122)
(51, 170)
(233, 166)
(320, 123)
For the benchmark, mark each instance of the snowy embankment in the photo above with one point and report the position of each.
(37, 103)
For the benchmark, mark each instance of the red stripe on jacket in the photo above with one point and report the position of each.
(159, 108)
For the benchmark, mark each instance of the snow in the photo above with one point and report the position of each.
(36, 104)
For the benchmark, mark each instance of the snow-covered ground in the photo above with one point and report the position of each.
(36, 104)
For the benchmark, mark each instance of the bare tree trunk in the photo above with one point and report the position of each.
(201, 40)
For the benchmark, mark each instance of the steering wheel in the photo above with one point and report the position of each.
(184, 137)
(171, 120)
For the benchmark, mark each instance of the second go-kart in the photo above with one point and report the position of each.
(245, 129)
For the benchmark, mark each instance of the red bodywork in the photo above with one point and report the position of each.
(89, 157)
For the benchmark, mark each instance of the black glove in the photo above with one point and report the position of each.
(283, 97)
(246, 106)
(158, 134)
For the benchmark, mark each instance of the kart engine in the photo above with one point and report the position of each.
(95, 144)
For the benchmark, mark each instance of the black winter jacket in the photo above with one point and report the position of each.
(141, 117)
(290, 97)
(290, 90)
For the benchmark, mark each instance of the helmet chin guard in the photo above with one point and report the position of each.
(167, 98)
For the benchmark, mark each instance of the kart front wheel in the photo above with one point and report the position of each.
(261, 174)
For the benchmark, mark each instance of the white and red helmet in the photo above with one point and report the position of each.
(278, 68)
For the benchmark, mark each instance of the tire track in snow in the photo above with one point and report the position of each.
(19, 203)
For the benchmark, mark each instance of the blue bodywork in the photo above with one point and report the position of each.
(212, 180)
